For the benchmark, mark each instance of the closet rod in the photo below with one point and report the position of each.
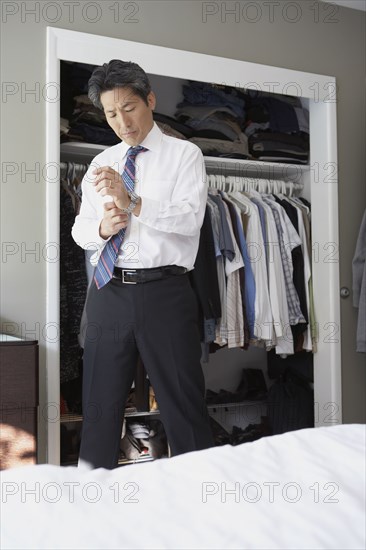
(263, 185)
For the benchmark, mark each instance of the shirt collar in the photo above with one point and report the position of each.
(152, 141)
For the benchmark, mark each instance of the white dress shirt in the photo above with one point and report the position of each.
(171, 180)
(234, 308)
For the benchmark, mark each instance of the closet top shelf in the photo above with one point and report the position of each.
(75, 151)
(79, 151)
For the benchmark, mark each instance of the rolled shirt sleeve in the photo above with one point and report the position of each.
(183, 213)
(85, 230)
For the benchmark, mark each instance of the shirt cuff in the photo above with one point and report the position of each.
(96, 239)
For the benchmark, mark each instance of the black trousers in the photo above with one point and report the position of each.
(158, 320)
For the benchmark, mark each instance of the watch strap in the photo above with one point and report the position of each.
(131, 207)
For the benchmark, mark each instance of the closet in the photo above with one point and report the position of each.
(168, 69)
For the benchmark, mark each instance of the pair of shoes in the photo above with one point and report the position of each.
(144, 439)
(223, 396)
(252, 385)
(220, 435)
(252, 432)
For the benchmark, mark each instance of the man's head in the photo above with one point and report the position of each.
(122, 89)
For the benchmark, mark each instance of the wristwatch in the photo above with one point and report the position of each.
(135, 199)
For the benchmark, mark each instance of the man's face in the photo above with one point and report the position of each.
(128, 115)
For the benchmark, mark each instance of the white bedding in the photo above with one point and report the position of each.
(303, 489)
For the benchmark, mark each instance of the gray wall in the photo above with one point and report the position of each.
(302, 35)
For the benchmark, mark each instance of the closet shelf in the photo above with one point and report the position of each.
(78, 151)
(71, 417)
(254, 168)
(245, 403)
(121, 461)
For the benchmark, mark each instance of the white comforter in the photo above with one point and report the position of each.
(303, 489)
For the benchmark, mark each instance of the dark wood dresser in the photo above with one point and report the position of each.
(18, 401)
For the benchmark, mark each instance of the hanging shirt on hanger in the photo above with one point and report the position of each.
(235, 319)
(263, 327)
(359, 285)
(276, 283)
(288, 239)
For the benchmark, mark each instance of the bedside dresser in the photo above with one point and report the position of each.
(18, 401)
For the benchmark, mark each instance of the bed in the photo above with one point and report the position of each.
(299, 490)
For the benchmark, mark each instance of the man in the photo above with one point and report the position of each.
(142, 211)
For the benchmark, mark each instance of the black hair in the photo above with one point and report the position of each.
(118, 74)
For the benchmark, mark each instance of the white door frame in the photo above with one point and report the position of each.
(323, 181)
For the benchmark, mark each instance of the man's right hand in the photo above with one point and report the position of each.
(114, 220)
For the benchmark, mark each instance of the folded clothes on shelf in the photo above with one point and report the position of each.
(204, 94)
(280, 146)
(218, 147)
(174, 124)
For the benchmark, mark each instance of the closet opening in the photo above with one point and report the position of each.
(316, 175)
(247, 150)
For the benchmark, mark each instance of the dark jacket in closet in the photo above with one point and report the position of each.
(204, 276)
(298, 275)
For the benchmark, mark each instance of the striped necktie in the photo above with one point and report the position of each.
(104, 269)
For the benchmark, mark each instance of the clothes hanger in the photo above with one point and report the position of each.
(262, 185)
(217, 181)
(230, 183)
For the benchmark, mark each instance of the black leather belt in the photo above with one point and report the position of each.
(136, 276)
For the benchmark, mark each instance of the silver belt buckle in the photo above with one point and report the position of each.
(127, 271)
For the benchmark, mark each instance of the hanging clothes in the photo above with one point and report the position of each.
(252, 275)
(359, 285)
(73, 281)
(204, 281)
(261, 253)
(276, 281)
